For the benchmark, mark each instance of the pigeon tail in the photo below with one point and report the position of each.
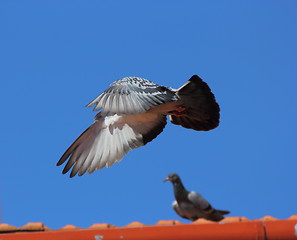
(202, 113)
(223, 212)
(216, 215)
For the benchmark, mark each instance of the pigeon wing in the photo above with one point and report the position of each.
(108, 139)
(198, 201)
(132, 95)
(205, 207)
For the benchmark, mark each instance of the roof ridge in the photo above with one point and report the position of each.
(39, 226)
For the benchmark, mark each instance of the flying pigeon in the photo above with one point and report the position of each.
(133, 113)
(191, 205)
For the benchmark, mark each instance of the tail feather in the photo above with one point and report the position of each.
(217, 215)
(202, 111)
(223, 212)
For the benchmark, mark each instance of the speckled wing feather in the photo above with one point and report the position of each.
(132, 95)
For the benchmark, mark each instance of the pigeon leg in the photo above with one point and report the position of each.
(179, 111)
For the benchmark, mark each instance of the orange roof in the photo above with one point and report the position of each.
(266, 228)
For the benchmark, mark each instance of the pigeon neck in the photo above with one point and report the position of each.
(180, 192)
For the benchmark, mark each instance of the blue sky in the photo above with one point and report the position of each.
(57, 56)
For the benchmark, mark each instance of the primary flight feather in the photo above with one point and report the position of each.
(133, 113)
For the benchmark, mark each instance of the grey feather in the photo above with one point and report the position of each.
(198, 200)
(134, 89)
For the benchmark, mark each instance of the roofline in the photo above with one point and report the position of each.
(257, 229)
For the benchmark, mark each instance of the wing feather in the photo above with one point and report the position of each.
(198, 200)
(108, 139)
(132, 95)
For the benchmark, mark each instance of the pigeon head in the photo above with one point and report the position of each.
(173, 177)
(179, 190)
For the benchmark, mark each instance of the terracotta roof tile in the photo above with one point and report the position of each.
(7, 228)
(135, 224)
(268, 228)
(69, 227)
(168, 222)
(268, 218)
(101, 225)
(33, 227)
(244, 219)
(234, 219)
(293, 217)
(202, 221)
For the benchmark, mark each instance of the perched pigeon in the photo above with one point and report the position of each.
(191, 205)
(133, 113)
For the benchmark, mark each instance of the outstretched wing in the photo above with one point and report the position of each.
(202, 113)
(108, 139)
(132, 95)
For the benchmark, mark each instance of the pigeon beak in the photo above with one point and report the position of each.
(165, 180)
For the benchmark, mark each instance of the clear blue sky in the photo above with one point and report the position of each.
(56, 56)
